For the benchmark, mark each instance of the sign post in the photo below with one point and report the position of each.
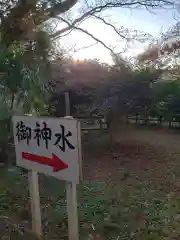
(71, 189)
(35, 202)
(73, 229)
(49, 146)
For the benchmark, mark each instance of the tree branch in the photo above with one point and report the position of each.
(112, 26)
(18, 15)
(85, 47)
(87, 33)
(21, 9)
(61, 7)
(24, 16)
(109, 5)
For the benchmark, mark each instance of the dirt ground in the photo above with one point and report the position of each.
(154, 136)
(140, 167)
(135, 149)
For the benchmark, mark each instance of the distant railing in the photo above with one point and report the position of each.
(94, 123)
(158, 121)
(99, 123)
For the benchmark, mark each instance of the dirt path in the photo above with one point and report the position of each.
(163, 137)
(137, 150)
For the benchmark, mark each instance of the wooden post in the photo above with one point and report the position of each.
(67, 103)
(101, 125)
(136, 118)
(80, 152)
(35, 202)
(127, 120)
(71, 194)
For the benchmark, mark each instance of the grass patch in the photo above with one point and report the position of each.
(127, 211)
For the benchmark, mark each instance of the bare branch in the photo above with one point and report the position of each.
(85, 47)
(112, 26)
(109, 5)
(23, 16)
(78, 20)
(94, 38)
(87, 33)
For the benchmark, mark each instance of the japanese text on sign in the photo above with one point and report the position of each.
(43, 132)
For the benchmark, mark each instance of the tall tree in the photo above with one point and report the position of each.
(20, 18)
(168, 44)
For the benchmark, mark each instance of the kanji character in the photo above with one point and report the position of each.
(44, 133)
(63, 138)
(23, 132)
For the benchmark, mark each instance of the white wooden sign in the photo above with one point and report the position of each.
(48, 145)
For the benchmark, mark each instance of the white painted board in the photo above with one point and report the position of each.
(48, 145)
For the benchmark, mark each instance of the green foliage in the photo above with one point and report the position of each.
(166, 99)
(22, 86)
(134, 212)
(20, 82)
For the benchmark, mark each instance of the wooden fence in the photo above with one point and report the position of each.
(156, 121)
(99, 123)
(94, 123)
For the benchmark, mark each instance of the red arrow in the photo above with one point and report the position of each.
(54, 162)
